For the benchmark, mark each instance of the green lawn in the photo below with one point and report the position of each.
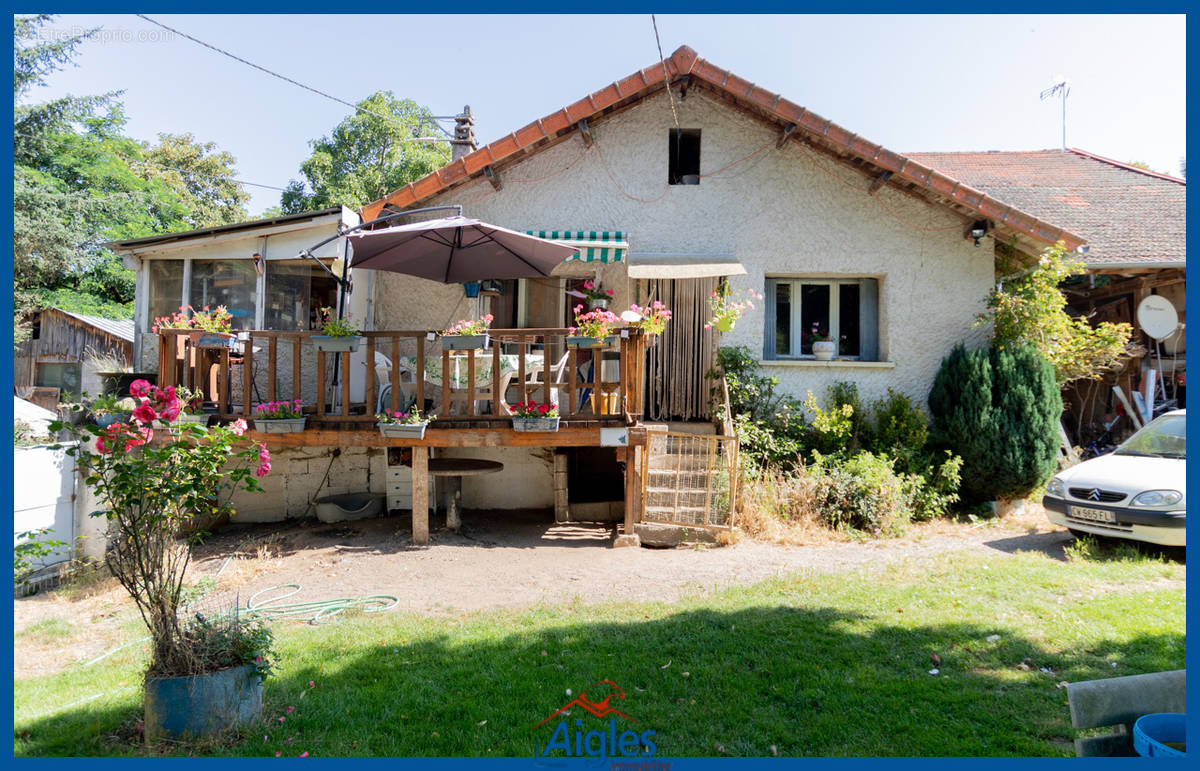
(829, 665)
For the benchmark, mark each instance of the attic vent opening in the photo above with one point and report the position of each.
(683, 157)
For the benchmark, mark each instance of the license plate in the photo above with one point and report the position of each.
(1093, 515)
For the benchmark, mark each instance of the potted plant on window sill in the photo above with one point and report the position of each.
(467, 334)
(824, 348)
(593, 329)
(337, 335)
(403, 425)
(726, 311)
(205, 675)
(531, 416)
(279, 417)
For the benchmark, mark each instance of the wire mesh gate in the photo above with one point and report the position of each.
(689, 479)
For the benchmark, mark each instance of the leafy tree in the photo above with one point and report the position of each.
(1032, 309)
(365, 157)
(79, 182)
(998, 410)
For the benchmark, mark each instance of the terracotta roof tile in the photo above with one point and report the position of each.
(1126, 214)
(685, 61)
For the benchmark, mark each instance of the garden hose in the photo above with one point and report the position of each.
(315, 611)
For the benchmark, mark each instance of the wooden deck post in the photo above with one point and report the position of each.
(420, 495)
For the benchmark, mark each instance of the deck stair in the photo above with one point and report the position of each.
(687, 478)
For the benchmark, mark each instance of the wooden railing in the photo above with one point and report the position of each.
(526, 363)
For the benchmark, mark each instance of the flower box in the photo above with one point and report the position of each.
(403, 430)
(202, 705)
(201, 419)
(580, 341)
(464, 342)
(203, 339)
(331, 344)
(535, 424)
(279, 425)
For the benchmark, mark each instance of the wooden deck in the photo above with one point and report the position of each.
(597, 407)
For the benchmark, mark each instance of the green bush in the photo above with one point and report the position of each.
(769, 425)
(998, 410)
(899, 428)
(863, 493)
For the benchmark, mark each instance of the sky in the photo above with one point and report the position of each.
(910, 83)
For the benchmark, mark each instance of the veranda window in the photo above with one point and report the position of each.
(231, 283)
(804, 309)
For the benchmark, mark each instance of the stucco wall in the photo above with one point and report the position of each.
(780, 212)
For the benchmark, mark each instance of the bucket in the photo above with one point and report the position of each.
(1153, 734)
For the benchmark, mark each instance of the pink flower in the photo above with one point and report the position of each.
(609, 292)
(139, 388)
(588, 285)
(102, 446)
(708, 326)
(145, 413)
(279, 754)
(304, 754)
(281, 719)
(238, 427)
(312, 683)
(290, 710)
(170, 412)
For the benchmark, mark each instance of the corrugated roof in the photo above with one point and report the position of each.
(247, 225)
(1127, 214)
(903, 172)
(122, 328)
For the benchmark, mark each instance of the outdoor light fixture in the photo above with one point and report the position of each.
(979, 230)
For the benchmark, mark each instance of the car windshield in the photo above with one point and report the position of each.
(1164, 438)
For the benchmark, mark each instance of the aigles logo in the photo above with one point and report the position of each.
(575, 742)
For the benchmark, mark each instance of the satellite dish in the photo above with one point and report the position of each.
(1157, 316)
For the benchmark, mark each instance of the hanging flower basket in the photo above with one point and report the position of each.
(464, 342)
(601, 303)
(279, 425)
(331, 344)
(402, 430)
(535, 424)
(724, 324)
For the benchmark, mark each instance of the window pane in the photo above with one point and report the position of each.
(814, 314)
(848, 320)
(296, 292)
(65, 377)
(166, 288)
(783, 319)
(225, 282)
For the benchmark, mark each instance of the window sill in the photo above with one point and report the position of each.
(835, 363)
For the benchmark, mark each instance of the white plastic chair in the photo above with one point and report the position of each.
(383, 379)
(535, 379)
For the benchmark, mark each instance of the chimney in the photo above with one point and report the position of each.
(464, 135)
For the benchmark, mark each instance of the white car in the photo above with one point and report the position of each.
(1137, 492)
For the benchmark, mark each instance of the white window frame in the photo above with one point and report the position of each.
(834, 283)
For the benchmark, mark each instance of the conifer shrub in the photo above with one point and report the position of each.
(998, 410)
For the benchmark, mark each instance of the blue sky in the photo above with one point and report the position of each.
(908, 82)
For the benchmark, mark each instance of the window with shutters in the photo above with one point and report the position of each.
(801, 310)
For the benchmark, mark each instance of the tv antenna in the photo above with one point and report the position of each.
(1062, 88)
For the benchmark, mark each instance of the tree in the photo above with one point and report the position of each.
(998, 410)
(200, 175)
(366, 156)
(1032, 309)
(79, 182)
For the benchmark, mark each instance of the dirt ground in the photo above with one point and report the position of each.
(497, 560)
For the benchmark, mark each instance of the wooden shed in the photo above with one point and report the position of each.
(66, 351)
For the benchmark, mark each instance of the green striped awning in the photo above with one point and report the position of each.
(594, 245)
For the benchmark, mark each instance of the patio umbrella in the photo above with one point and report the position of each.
(455, 250)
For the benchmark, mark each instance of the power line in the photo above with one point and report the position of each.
(666, 76)
(286, 79)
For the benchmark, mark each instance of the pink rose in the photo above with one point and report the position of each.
(238, 427)
(145, 413)
(139, 388)
(170, 413)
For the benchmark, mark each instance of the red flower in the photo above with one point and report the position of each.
(544, 409)
(145, 413)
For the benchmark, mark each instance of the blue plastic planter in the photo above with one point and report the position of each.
(471, 288)
(178, 707)
(1151, 732)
